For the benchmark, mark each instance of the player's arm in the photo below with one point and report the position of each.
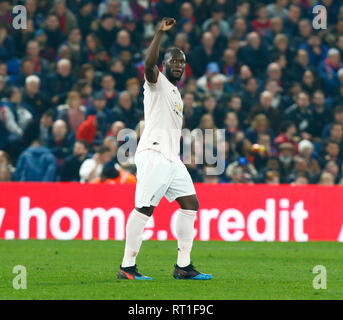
(151, 70)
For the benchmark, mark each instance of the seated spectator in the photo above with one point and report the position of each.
(61, 141)
(116, 127)
(203, 54)
(33, 97)
(317, 51)
(301, 114)
(241, 171)
(320, 113)
(286, 160)
(278, 9)
(6, 44)
(309, 82)
(65, 16)
(326, 179)
(22, 112)
(328, 71)
(333, 168)
(125, 112)
(36, 163)
(261, 24)
(133, 87)
(46, 122)
(259, 125)
(300, 180)
(265, 107)
(40, 65)
(254, 54)
(107, 31)
(107, 84)
(306, 149)
(73, 112)
(53, 32)
(272, 177)
(92, 168)
(217, 15)
(6, 168)
(331, 153)
(70, 170)
(93, 129)
(61, 82)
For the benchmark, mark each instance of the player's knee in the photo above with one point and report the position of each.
(191, 204)
(196, 204)
(148, 211)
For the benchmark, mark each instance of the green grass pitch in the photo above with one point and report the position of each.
(241, 270)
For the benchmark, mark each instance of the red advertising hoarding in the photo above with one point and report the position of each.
(227, 212)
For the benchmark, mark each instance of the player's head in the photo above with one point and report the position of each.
(174, 63)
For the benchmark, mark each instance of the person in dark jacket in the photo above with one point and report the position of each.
(71, 166)
(60, 141)
(61, 82)
(125, 112)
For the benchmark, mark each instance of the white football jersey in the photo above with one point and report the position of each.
(163, 108)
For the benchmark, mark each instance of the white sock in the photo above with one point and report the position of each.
(185, 234)
(134, 231)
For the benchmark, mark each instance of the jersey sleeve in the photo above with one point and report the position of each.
(152, 85)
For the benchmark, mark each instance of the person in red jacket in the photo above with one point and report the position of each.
(87, 129)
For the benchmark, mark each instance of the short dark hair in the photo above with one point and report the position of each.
(84, 143)
(172, 51)
(50, 113)
(332, 142)
(103, 149)
(286, 125)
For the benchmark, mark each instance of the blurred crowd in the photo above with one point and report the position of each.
(258, 70)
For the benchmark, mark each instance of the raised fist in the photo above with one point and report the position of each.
(167, 24)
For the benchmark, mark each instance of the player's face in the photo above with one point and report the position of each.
(175, 65)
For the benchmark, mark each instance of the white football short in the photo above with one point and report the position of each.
(158, 177)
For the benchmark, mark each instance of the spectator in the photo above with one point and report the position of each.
(107, 84)
(36, 163)
(66, 18)
(71, 166)
(61, 141)
(328, 71)
(261, 24)
(93, 129)
(203, 54)
(61, 82)
(53, 32)
(306, 149)
(73, 112)
(125, 112)
(286, 160)
(254, 54)
(217, 15)
(92, 168)
(278, 9)
(326, 179)
(301, 114)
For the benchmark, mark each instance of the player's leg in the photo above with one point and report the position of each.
(134, 237)
(152, 174)
(182, 190)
